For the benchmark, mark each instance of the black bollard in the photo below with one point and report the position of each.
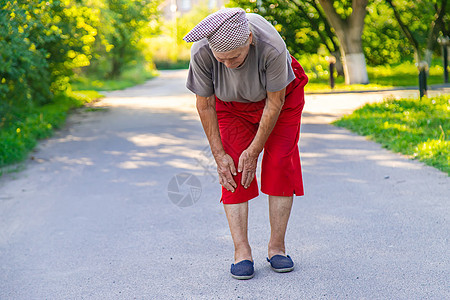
(422, 83)
(423, 68)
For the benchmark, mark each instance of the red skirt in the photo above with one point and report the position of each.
(281, 173)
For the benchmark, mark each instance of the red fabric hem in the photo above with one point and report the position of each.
(283, 194)
(237, 201)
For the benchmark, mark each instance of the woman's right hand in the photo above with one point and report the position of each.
(226, 169)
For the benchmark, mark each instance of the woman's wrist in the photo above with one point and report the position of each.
(254, 150)
(218, 153)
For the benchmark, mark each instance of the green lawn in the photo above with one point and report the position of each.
(417, 128)
(20, 136)
(129, 78)
(380, 77)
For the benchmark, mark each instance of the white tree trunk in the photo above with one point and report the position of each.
(349, 33)
(355, 69)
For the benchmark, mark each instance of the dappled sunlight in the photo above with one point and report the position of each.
(134, 155)
(153, 140)
(351, 152)
(183, 164)
(391, 160)
(72, 138)
(145, 183)
(137, 164)
(86, 161)
(400, 128)
(325, 136)
(355, 180)
(180, 150)
(185, 103)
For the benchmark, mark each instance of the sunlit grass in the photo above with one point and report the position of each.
(130, 77)
(380, 78)
(417, 128)
(19, 137)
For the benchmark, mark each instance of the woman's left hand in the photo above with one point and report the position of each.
(247, 165)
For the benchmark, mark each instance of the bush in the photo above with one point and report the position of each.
(40, 44)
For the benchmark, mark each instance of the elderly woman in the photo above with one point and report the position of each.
(249, 97)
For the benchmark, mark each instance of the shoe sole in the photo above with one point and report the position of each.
(285, 270)
(243, 277)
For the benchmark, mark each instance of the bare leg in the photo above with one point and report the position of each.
(237, 215)
(279, 212)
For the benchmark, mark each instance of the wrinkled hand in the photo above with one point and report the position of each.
(247, 165)
(226, 170)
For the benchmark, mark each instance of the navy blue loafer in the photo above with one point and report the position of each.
(243, 270)
(281, 264)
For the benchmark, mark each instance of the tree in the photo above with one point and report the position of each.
(421, 21)
(301, 23)
(130, 20)
(40, 43)
(383, 41)
(306, 25)
(349, 32)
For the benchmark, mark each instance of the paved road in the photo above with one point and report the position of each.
(90, 216)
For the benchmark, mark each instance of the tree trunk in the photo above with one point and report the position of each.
(115, 68)
(338, 65)
(117, 62)
(349, 32)
(435, 26)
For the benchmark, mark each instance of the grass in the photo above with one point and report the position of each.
(19, 137)
(380, 77)
(129, 78)
(417, 128)
(170, 65)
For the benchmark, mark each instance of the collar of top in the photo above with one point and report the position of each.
(225, 30)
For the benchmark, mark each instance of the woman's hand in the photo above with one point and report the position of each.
(247, 165)
(226, 170)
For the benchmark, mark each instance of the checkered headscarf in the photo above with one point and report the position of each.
(225, 30)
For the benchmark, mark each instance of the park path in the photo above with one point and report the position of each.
(96, 213)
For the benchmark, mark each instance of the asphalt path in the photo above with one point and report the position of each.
(123, 203)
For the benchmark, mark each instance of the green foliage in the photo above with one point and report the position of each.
(40, 43)
(417, 128)
(131, 76)
(24, 73)
(19, 137)
(61, 30)
(131, 21)
(418, 15)
(168, 50)
(304, 29)
(43, 42)
(343, 8)
(383, 42)
(301, 25)
(421, 22)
